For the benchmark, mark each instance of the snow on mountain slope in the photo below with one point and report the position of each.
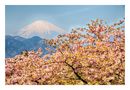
(39, 28)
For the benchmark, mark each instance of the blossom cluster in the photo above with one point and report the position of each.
(92, 55)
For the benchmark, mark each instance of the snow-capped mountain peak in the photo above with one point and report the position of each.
(40, 27)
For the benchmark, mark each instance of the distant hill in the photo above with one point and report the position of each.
(15, 45)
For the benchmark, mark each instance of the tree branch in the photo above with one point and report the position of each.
(79, 77)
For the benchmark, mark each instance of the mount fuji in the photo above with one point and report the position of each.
(40, 28)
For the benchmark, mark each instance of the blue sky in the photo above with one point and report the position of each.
(66, 17)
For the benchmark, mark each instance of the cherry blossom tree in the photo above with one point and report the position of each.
(91, 55)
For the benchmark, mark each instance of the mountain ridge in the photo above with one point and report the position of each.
(14, 45)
